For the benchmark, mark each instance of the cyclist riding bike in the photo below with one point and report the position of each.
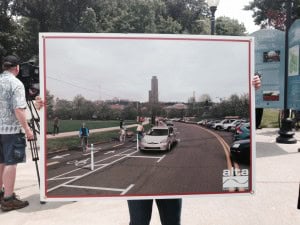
(83, 134)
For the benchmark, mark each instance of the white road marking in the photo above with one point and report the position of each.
(127, 189)
(140, 156)
(87, 174)
(62, 178)
(109, 152)
(52, 163)
(101, 166)
(118, 145)
(161, 158)
(60, 156)
(95, 188)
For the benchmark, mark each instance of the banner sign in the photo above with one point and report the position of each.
(101, 83)
(293, 99)
(269, 63)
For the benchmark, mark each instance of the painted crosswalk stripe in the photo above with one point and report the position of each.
(52, 163)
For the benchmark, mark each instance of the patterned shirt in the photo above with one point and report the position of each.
(12, 96)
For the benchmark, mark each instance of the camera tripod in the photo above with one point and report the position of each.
(35, 126)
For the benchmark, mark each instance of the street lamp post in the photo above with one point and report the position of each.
(212, 4)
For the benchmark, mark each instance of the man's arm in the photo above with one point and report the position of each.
(39, 103)
(21, 116)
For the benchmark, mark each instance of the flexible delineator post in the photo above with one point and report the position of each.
(92, 156)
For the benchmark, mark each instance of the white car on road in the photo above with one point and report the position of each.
(158, 138)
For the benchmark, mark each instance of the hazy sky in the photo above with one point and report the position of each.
(107, 68)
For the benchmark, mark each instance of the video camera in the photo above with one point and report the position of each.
(29, 76)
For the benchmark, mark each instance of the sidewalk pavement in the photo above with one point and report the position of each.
(274, 201)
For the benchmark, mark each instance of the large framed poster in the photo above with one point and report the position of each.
(187, 92)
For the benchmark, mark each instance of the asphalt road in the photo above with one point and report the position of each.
(194, 166)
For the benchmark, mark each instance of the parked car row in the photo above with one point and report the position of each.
(240, 148)
(242, 131)
(225, 124)
(240, 151)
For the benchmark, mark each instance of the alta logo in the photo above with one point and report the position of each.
(235, 178)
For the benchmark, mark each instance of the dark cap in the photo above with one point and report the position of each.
(11, 60)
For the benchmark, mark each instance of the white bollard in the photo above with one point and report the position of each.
(92, 156)
(137, 141)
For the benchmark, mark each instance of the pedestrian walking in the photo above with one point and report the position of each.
(122, 135)
(55, 125)
(121, 123)
(140, 131)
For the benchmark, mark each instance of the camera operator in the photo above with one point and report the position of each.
(13, 119)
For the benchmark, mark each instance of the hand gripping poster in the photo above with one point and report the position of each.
(140, 116)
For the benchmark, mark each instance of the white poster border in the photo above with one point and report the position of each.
(46, 36)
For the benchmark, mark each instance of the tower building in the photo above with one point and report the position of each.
(153, 93)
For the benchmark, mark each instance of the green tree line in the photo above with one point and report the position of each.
(272, 13)
(82, 109)
(234, 105)
(22, 20)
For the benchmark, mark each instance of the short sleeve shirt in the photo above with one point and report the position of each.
(139, 128)
(12, 96)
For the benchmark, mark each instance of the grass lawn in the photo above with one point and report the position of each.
(73, 142)
(74, 125)
(270, 118)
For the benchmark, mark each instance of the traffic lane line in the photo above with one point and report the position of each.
(102, 166)
(86, 174)
(52, 163)
(99, 188)
(224, 145)
(226, 149)
(62, 158)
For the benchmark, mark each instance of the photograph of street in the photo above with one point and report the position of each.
(138, 116)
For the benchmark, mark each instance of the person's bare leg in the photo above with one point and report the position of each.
(1, 175)
(9, 177)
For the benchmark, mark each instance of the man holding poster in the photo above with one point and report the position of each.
(169, 209)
